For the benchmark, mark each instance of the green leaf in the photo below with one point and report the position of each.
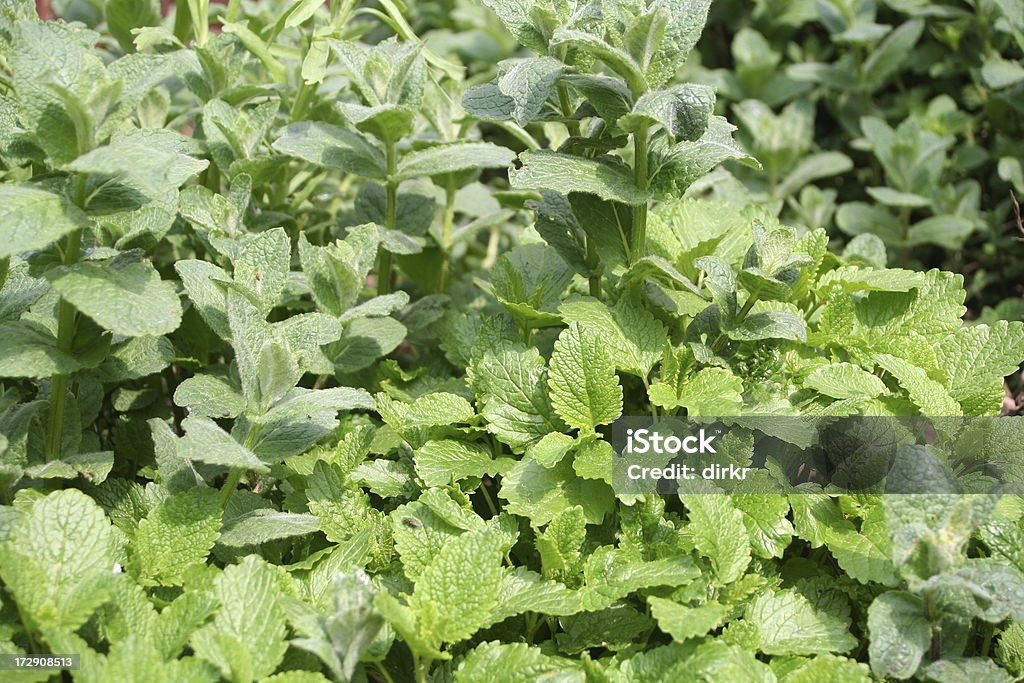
(845, 380)
(565, 173)
(788, 623)
(515, 15)
(206, 442)
(770, 325)
(682, 30)
(676, 168)
(682, 110)
(612, 574)
(176, 537)
(337, 271)
(719, 534)
(447, 461)
(262, 267)
(452, 158)
(976, 359)
(899, 634)
(30, 350)
(266, 524)
(512, 389)
(635, 338)
(514, 663)
(246, 639)
(149, 160)
(56, 74)
(146, 305)
(125, 15)
(542, 493)
(58, 561)
(929, 396)
(712, 391)
(34, 219)
(518, 93)
(966, 670)
(202, 282)
(619, 61)
(332, 147)
(584, 389)
(767, 520)
(431, 410)
(459, 587)
(561, 543)
(210, 396)
(682, 622)
(857, 279)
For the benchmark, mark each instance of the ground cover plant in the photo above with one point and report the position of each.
(314, 318)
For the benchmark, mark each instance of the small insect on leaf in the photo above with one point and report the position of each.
(414, 523)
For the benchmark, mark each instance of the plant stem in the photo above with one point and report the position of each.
(446, 234)
(390, 214)
(380, 668)
(638, 248)
(66, 320)
(740, 317)
(301, 102)
(487, 497)
(594, 265)
(182, 21)
(230, 484)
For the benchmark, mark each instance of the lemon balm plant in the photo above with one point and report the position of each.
(299, 384)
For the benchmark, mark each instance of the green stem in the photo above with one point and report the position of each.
(446, 233)
(66, 320)
(594, 265)
(740, 317)
(487, 498)
(230, 484)
(380, 668)
(301, 102)
(638, 248)
(390, 219)
(182, 21)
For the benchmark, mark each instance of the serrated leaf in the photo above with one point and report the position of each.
(565, 173)
(266, 524)
(845, 380)
(461, 583)
(176, 537)
(34, 219)
(789, 624)
(58, 561)
(446, 461)
(206, 442)
(511, 385)
(719, 534)
(929, 396)
(146, 305)
(30, 350)
(899, 634)
(976, 359)
(332, 147)
(682, 622)
(682, 110)
(248, 632)
(635, 338)
(584, 389)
